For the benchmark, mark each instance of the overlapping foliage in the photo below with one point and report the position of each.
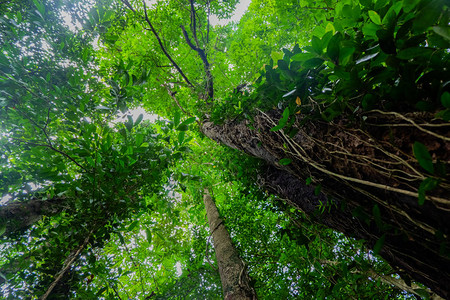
(119, 229)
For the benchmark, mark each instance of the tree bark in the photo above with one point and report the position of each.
(18, 216)
(233, 274)
(369, 182)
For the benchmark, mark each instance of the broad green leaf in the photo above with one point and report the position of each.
(139, 119)
(139, 139)
(182, 127)
(375, 17)
(317, 45)
(409, 5)
(443, 31)
(428, 184)
(330, 27)
(148, 234)
(129, 123)
(333, 47)
(423, 157)
(283, 65)
(188, 121)
(423, 293)
(181, 137)
(302, 56)
(414, 52)
(283, 120)
(176, 118)
(379, 244)
(445, 99)
(2, 229)
(377, 215)
(133, 225)
(285, 161)
(427, 16)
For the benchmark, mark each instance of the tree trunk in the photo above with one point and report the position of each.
(18, 216)
(233, 274)
(369, 182)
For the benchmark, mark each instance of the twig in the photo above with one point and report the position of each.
(54, 149)
(162, 46)
(206, 65)
(67, 264)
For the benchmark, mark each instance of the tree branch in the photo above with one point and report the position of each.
(209, 79)
(54, 149)
(67, 264)
(162, 46)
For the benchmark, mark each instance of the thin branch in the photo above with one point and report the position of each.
(208, 23)
(172, 95)
(162, 46)
(193, 23)
(67, 264)
(54, 149)
(206, 65)
(128, 5)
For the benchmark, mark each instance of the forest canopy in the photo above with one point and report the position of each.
(300, 152)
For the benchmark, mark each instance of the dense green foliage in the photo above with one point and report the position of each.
(129, 190)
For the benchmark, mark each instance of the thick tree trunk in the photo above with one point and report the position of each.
(233, 274)
(18, 216)
(369, 181)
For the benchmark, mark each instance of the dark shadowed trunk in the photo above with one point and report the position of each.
(369, 182)
(18, 216)
(233, 274)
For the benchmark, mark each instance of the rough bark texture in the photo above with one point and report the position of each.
(18, 216)
(233, 274)
(362, 171)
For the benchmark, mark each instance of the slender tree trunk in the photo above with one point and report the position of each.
(369, 181)
(233, 274)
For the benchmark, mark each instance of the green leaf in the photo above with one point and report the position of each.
(122, 240)
(129, 123)
(2, 229)
(423, 157)
(282, 65)
(148, 233)
(445, 99)
(414, 52)
(188, 121)
(427, 16)
(133, 225)
(308, 180)
(182, 127)
(423, 293)
(139, 119)
(283, 120)
(181, 137)
(302, 56)
(139, 139)
(443, 31)
(176, 118)
(377, 215)
(317, 190)
(285, 161)
(428, 184)
(316, 43)
(333, 47)
(409, 5)
(375, 17)
(379, 244)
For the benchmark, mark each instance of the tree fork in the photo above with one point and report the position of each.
(233, 274)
